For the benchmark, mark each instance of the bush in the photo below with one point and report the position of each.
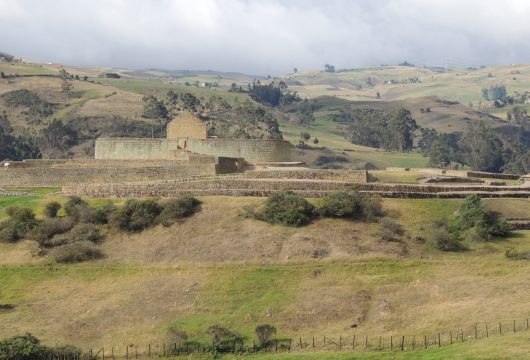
(136, 215)
(341, 204)
(371, 208)
(51, 209)
(264, 333)
(175, 209)
(511, 253)
(479, 223)
(72, 205)
(222, 337)
(21, 222)
(25, 347)
(49, 228)
(28, 347)
(79, 233)
(390, 230)
(443, 238)
(287, 208)
(77, 252)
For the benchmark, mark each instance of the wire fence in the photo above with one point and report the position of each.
(355, 342)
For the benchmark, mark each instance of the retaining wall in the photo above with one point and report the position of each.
(263, 187)
(59, 176)
(356, 176)
(254, 151)
(134, 148)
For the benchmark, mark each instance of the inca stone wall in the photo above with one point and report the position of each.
(101, 172)
(264, 187)
(185, 126)
(355, 176)
(134, 148)
(254, 151)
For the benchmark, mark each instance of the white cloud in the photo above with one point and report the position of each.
(266, 36)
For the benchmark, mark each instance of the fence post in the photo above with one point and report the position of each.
(487, 332)
(380, 343)
(290, 341)
(127, 352)
(340, 342)
(402, 343)
(462, 334)
(366, 342)
(135, 352)
(276, 347)
(164, 347)
(439, 340)
(500, 328)
(425, 341)
(391, 343)
(149, 351)
(300, 343)
(254, 345)
(112, 349)
(313, 342)
(103, 353)
(451, 337)
(476, 333)
(526, 323)
(353, 343)
(187, 348)
(414, 342)
(514, 326)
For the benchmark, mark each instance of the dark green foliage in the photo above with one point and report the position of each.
(272, 94)
(342, 204)
(51, 209)
(482, 148)
(84, 232)
(49, 228)
(21, 221)
(175, 209)
(372, 208)
(223, 335)
(479, 223)
(24, 347)
(264, 333)
(190, 101)
(28, 347)
(153, 108)
(329, 68)
(136, 215)
(15, 147)
(287, 208)
(58, 136)
(393, 130)
(495, 92)
(28, 99)
(444, 238)
(73, 204)
(323, 160)
(77, 252)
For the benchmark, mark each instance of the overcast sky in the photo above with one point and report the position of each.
(266, 36)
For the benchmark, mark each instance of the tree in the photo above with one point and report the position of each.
(264, 333)
(329, 68)
(481, 148)
(519, 116)
(153, 108)
(295, 70)
(495, 92)
(66, 83)
(401, 125)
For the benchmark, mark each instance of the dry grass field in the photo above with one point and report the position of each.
(220, 267)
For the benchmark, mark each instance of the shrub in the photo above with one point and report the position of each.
(24, 347)
(77, 252)
(341, 204)
(72, 205)
(51, 209)
(511, 253)
(390, 230)
(264, 333)
(80, 232)
(445, 240)
(287, 208)
(175, 209)
(371, 208)
(102, 214)
(222, 337)
(28, 347)
(136, 215)
(49, 228)
(21, 221)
